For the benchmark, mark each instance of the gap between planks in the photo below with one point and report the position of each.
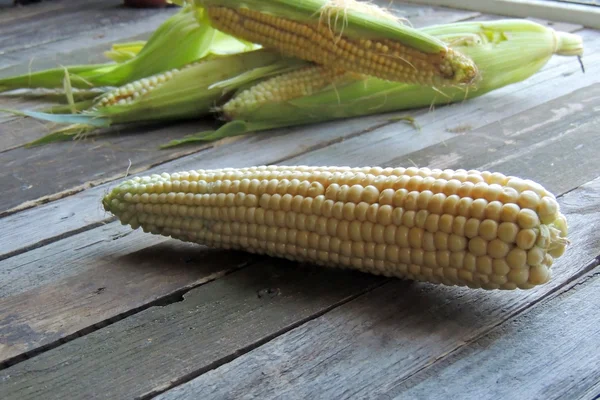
(240, 153)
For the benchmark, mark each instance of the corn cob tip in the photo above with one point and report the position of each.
(567, 44)
(453, 227)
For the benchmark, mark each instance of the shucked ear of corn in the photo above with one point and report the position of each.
(505, 51)
(178, 41)
(468, 228)
(189, 92)
(344, 34)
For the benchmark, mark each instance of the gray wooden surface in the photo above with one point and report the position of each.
(90, 309)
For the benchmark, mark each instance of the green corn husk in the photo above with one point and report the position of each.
(121, 52)
(191, 92)
(194, 41)
(506, 52)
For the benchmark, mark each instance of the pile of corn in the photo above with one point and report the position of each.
(262, 64)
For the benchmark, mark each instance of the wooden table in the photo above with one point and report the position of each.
(91, 309)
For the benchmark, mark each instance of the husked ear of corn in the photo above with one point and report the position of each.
(344, 34)
(453, 227)
(189, 92)
(505, 51)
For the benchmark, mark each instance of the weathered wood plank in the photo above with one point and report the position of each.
(555, 11)
(103, 286)
(14, 131)
(559, 26)
(64, 259)
(164, 344)
(85, 48)
(420, 15)
(354, 141)
(593, 393)
(71, 20)
(367, 347)
(13, 16)
(550, 352)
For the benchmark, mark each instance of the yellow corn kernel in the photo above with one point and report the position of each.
(302, 82)
(351, 218)
(132, 91)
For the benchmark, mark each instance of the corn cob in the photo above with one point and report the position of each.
(497, 47)
(452, 227)
(345, 34)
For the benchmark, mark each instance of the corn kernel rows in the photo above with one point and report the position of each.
(460, 267)
(303, 82)
(413, 232)
(317, 43)
(367, 184)
(132, 91)
(382, 224)
(391, 244)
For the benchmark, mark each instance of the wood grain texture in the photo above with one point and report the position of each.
(360, 141)
(64, 21)
(103, 286)
(151, 350)
(64, 259)
(86, 47)
(555, 11)
(593, 393)
(367, 347)
(550, 352)
(557, 25)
